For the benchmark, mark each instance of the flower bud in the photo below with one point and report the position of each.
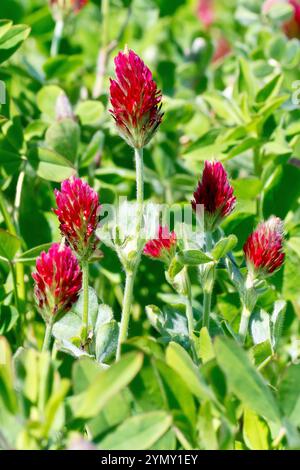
(264, 248)
(78, 211)
(135, 100)
(58, 280)
(163, 247)
(215, 194)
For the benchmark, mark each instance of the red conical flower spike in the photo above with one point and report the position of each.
(135, 100)
(215, 194)
(163, 247)
(78, 211)
(264, 247)
(58, 280)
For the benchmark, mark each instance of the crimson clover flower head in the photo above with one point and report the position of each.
(135, 100)
(63, 8)
(215, 194)
(163, 247)
(58, 280)
(78, 211)
(290, 27)
(264, 247)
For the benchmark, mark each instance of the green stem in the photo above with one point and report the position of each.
(85, 287)
(189, 307)
(57, 35)
(206, 309)
(47, 337)
(190, 315)
(139, 164)
(244, 324)
(131, 272)
(127, 302)
(208, 285)
(249, 300)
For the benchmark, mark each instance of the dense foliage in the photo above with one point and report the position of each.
(211, 360)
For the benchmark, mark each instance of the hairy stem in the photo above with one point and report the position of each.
(249, 301)
(244, 324)
(131, 272)
(127, 302)
(206, 309)
(208, 285)
(139, 164)
(57, 35)
(190, 315)
(47, 337)
(85, 287)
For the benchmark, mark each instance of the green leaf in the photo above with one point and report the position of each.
(93, 150)
(106, 340)
(67, 327)
(277, 320)
(193, 257)
(223, 247)
(47, 98)
(260, 327)
(29, 256)
(270, 89)
(289, 394)
(110, 382)
(207, 432)
(205, 346)
(10, 160)
(175, 267)
(7, 392)
(84, 372)
(62, 66)
(179, 360)
(177, 392)
(53, 167)
(12, 39)
(63, 137)
(8, 318)
(255, 431)
(244, 381)
(138, 432)
(90, 112)
(9, 245)
(262, 352)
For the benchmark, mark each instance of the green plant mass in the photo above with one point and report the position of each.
(149, 225)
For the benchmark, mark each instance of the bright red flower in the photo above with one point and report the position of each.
(163, 247)
(215, 194)
(58, 280)
(135, 100)
(264, 247)
(78, 211)
(205, 11)
(292, 26)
